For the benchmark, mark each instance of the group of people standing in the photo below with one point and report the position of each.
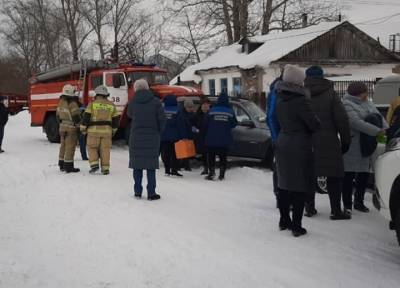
(316, 134)
(97, 124)
(156, 128)
(210, 127)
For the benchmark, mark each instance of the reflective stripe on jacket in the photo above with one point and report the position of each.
(101, 117)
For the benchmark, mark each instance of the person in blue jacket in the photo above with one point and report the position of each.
(219, 123)
(272, 119)
(273, 124)
(169, 136)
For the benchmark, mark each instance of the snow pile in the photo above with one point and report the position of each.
(84, 230)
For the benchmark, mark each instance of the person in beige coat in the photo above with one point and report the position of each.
(69, 117)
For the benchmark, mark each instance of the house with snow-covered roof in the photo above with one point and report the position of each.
(246, 68)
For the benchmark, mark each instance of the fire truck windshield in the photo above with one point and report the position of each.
(153, 78)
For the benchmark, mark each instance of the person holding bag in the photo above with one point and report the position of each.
(357, 165)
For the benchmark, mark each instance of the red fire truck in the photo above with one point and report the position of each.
(45, 89)
(15, 103)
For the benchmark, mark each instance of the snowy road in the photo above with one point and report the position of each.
(68, 231)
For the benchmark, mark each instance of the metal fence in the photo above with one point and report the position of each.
(341, 86)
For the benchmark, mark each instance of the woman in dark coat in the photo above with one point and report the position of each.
(294, 152)
(328, 147)
(148, 121)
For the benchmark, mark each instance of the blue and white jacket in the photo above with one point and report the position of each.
(219, 123)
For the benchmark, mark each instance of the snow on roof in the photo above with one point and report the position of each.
(276, 45)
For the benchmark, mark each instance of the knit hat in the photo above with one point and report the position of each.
(294, 75)
(357, 88)
(315, 71)
(188, 104)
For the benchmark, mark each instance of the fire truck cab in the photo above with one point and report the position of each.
(45, 89)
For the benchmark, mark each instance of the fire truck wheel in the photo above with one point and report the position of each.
(51, 129)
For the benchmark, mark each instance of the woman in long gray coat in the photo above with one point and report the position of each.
(147, 122)
(355, 165)
(294, 155)
(328, 146)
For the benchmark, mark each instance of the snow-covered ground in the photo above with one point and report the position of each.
(65, 231)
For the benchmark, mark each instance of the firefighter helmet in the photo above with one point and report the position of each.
(101, 91)
(68, 90)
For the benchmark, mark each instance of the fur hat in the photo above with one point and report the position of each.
(357, 88)
(294, 75)
(315, 71)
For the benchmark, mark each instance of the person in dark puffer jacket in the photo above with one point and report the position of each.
(220, 121)
(169, 136)
(328, 146)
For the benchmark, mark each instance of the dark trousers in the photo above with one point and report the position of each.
(168, 157)
(151, 181)
(334, 187)
(204, 159)
(286, 199)
(222, 155)
(1, 134)
(82, 146)
(361, 181)
(310, 201)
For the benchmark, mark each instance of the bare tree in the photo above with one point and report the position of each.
(96, 13)
(120, 16)
(23, 35)
(76, 31)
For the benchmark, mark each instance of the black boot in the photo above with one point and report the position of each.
(298, 231)
(285, 224)
(204, 172)
(61, 165)
(340, 215)
(154, 197)
(211, 174)
(94, 169)
(69, 167)
(361, 207)
(176, 173)
(221, 174)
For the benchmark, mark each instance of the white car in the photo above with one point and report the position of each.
(387, 182)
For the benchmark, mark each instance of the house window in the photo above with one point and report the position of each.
(224, 85)
(211, 87)
(237, 87)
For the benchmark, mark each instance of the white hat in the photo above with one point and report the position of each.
(294, 75)
(68, 90)
(141, 84)
(101, 91)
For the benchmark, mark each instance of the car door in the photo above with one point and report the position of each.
(247, 141)
(118, 95)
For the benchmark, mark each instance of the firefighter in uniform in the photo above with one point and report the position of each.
(100, 122)
(69, 117)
